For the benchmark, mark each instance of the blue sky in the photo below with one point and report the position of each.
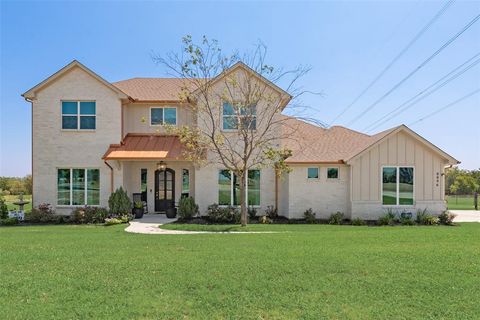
(346, 43)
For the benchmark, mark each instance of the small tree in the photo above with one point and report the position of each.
(119, 202)
(247, 99)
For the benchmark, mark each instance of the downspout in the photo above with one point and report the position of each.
(276, 190)
(111, 175)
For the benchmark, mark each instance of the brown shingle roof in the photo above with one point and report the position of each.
(152, 89)
(313, 144)
(146, 146)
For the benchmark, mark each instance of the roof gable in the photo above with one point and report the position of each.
(382, 136)
(31, 93)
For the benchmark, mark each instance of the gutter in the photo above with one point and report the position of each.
(111, 175)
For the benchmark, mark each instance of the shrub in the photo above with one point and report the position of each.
(264, 220)
(336, 218)
(3, 209)
(423, 217)
(406, 219)
(252, 213)
(187, 208)
(388, 219)
(89, 214)
(217, 214)
(309, 216)
(42, 214)
(113, 221)
(271, 212)
(358, 222)
(8, 221)
(446, 218)
(119, 203)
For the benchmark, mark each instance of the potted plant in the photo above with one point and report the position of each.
(138, 209)
(171, 212)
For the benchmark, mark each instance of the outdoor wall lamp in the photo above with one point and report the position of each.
(161, 166)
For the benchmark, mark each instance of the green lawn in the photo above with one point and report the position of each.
(309, 272)
(10, 199)
(460, 202)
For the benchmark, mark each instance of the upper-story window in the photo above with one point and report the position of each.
(78, 115)
(231, 118)
(161, 116)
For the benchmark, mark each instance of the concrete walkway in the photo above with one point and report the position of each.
(466, 215)
(150, 223)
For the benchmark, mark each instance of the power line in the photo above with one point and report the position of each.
(424, 94)
(396, 58)
(426, 61)
(446, 107)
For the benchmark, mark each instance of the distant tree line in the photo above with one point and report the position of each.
(460, 181)
(16, 185)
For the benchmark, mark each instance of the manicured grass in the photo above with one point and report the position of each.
(10, 199)
(214, 227)
(460, 202)
(309, 272)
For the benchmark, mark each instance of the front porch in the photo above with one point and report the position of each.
(152, 168)
(160, 183)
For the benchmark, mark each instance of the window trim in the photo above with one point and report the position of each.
(338, 173)
(163, 116)
(222, 116)
(397, 186)
(85, 187)
(318, 174)
(78, 115)
(246, 190)
(189, 181)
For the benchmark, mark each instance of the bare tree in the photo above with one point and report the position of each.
(237, 101)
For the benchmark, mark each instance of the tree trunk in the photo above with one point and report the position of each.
(243, 199)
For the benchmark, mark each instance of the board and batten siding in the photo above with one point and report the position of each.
(400, 149)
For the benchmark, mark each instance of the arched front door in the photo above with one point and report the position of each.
(164, 189)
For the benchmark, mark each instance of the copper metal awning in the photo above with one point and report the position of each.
(146, 147)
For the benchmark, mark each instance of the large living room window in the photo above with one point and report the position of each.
(78, 187)
(397, 185)
(163, 116)
(229, 188)
(78, 115)
(233, 116)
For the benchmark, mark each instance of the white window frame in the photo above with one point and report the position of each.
(71, 188)
(163, 116)
(246, 190)
(318, 174)
(189, 181)
(338, 173)
(238, 117)
(78, 115)
(397, 186)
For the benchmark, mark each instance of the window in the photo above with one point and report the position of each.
(397, 185)
(312, 173)
(78, 187)
(233, 116)
(229, 188)
(163, 116)
(78, 115)
(332, 173)
(185, 182)
(143, 184)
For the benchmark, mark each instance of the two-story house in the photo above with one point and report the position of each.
(90, 136)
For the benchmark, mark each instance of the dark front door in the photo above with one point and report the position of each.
(164, 189)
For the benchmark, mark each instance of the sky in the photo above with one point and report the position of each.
(346, 44)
